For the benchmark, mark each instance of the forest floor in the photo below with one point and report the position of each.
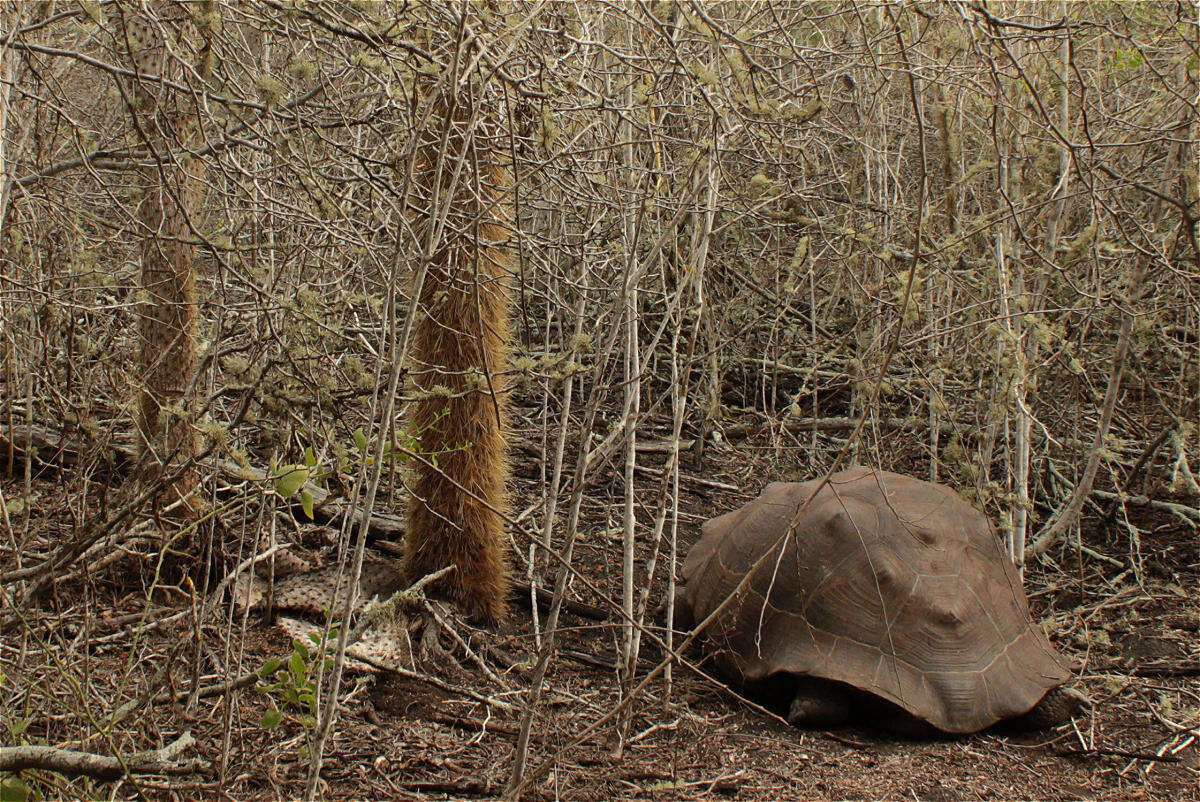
(1134, 642)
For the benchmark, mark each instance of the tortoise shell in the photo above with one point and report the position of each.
(890, 584)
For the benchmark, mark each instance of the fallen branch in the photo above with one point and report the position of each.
(436, 682)
(221, 688)
(1189, 514)
(49, 448)
(696, 480)
(1101, 751)
(832, 424)
(411, 596)
(72, 763)
(461, 788)
(327, 508)
(546, 597)
(1156, 669)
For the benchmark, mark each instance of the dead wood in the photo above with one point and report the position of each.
(72, 763)
(1101, 751)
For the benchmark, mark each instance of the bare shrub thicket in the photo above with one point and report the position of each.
(953, 239)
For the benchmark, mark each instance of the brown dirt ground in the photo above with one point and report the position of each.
(400, 739)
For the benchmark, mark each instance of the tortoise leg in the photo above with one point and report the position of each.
(683, 619)
(1056, 707)
(820, 703)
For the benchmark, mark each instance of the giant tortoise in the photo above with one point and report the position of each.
(881, 587)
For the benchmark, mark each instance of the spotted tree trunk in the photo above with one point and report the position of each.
(171, 185)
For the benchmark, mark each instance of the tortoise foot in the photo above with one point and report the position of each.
(1057, 707)
(820, 703)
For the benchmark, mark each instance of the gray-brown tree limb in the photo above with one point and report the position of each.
(73, 763)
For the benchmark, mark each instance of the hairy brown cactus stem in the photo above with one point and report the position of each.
(460, 349)
(168, 312)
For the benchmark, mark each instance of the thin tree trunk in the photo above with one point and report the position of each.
(10, 20)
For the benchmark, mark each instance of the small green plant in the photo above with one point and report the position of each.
(289, 480)
(291, 687)
(12, 787)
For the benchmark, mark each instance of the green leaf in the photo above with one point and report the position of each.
(310, 457)
(360, 440)
(297, 667)
(291, 479)
(664, 785)
(269, 668)
(306, 503)
(300, 648)
(14, 789)
(271, 718)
